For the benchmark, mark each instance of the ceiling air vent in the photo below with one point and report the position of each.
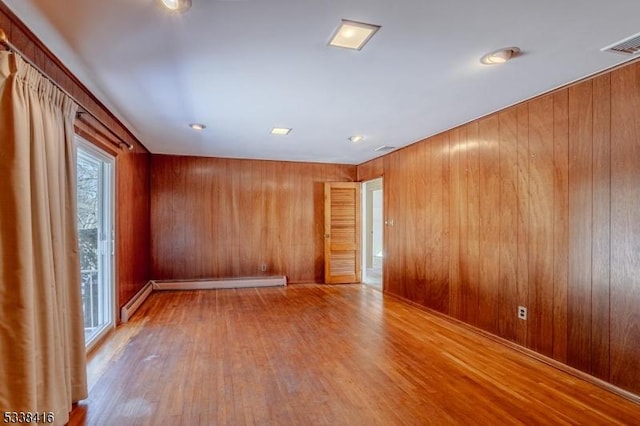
(628, 46)
(385, 148)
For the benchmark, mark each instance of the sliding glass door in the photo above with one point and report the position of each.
(95, 234)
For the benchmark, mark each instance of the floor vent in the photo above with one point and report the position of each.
(129, 309)
(628, 46)
(385, 148)
(211, 284)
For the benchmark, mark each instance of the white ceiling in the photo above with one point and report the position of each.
(242, 67)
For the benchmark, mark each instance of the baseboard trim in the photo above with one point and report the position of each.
(135, 302)
(221, 283)
(623, 393)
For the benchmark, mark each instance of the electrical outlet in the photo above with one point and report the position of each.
(522, 312)
(263, 267)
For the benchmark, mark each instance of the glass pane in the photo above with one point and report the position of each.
(89, 233)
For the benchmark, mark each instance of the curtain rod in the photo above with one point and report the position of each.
(81, 108)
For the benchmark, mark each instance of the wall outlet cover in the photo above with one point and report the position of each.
(522, 312)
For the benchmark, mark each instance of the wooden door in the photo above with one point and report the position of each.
(342, 234)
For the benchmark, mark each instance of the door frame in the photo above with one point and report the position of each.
(367, 198)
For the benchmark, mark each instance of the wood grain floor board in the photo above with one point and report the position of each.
(317, 354)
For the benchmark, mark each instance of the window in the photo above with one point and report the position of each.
(96, 239)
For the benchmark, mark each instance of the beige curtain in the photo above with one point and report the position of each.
(42, 354)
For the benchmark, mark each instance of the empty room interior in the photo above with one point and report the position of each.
(239, 212)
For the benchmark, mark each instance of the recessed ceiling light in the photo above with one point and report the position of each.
(197, 126)
(500, 56)
(280, 131)
(356, 138)
(352, 34)
(177, 5)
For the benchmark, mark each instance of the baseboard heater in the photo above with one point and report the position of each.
(208, 284)
(128, 310)
(221, 283)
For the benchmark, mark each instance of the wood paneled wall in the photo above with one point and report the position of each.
(537, 205)
(132, 167)
(133, 224)
(371, 169)
(215, 217)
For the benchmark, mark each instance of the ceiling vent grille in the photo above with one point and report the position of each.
(628, 46)
(385, 148)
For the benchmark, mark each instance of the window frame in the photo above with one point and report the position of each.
(107, 217)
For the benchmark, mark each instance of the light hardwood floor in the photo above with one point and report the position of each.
(326, 355)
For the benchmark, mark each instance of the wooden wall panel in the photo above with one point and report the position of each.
(133, 232)
(468, 309)
(522, 230)
(168, 181)
(314, 224)
(371, 169)
(393, 272)
(535, 206)
(625, 227)
(436, 217)
(488, 150)
(455, 201)
(414, 224)
(213, 217)
(468, 277)
(580, 225)
(441, 154)
(560, 222)
(270, 221)
(399, 228)
(541, 192)
(601, 217)
(132, 168)
(471, 235)
(283, 229)
(508, 216)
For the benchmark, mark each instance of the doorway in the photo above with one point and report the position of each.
(372, 242)
(95, 195)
